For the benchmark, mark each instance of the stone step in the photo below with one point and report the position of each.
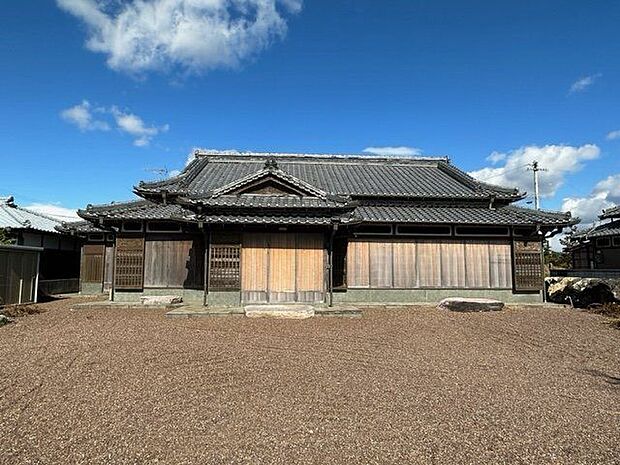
(297, 312)
(466, 304)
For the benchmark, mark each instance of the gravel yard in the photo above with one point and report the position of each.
(400, 385)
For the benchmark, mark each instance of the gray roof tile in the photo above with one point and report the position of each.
(134, 210)
(15, 217)
(602, 230)
(459, 215)
(337, 175)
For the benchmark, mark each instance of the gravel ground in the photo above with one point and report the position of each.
(400, 385)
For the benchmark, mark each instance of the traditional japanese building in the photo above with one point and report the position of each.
(598, 247)
(265, 227)
(59, 266)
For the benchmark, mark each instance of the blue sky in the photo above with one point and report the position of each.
(95, 94)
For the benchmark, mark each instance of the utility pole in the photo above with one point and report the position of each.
(535, 168)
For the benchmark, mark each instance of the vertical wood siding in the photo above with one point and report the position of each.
(281, 285)
(453, 273)
(477, 259)
(405, 265)
(282, 267)
(92, 263)
(18, 272)
(108, 267)
(421, 263)
(254, 267)
(429, 264)
(171, 262)
(380, 264)
(358, 264)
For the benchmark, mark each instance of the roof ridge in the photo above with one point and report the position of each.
(122, 203)
(198, 153)
(461, 175)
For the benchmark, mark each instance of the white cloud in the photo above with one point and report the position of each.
(613, 135)
(55, 211)
(81, 115)
(196, 35)
(605, 194)
(583, 83)
(135, 126)
(496, 157)
(558, 161)
(400, 151)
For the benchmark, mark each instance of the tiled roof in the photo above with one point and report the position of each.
(602, 230)
(357, 176)
(135, 210)
(271, 201)
(283, 219)
(15, 217)
(79, 227)
(508, 215)
(257, 210)
(612, 212)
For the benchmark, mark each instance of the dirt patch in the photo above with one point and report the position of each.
(609, 310)
(14, 311)
(404, 385)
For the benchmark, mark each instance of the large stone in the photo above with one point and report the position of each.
(466, 304)
(296, 312)
(5, 320)
(582, 292)
(160, 300)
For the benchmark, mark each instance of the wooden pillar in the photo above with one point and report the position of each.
(330, 264)
(207, 263)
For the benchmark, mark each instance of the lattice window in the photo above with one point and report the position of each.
(528, 269)
(224, 267)
(129, 269)
(92, 263)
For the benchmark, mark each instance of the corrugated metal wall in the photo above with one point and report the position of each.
(416, 263)
(18, 275)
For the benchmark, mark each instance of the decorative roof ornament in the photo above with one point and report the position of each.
(271, 163)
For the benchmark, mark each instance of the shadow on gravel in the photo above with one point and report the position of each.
(607, 378)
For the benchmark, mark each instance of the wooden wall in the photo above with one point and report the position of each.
(282, 267)
(173, 261)
(415, 263)
(18, 274)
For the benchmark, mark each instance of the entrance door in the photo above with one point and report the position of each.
(282, 267)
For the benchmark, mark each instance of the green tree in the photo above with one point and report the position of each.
(5, 238)
(555, 259)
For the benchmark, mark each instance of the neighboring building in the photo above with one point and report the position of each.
(60, 258)
(253, 227)
(598, 247)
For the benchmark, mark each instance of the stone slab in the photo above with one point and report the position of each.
(469, 304)
(296, 312)
(339, 311)
(201, 312)
(160, 299)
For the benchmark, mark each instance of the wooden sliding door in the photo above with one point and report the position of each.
(282, 267)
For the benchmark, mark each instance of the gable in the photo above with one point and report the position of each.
(270, 181)
(269, 186)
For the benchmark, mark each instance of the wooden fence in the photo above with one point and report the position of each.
(19, 274)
